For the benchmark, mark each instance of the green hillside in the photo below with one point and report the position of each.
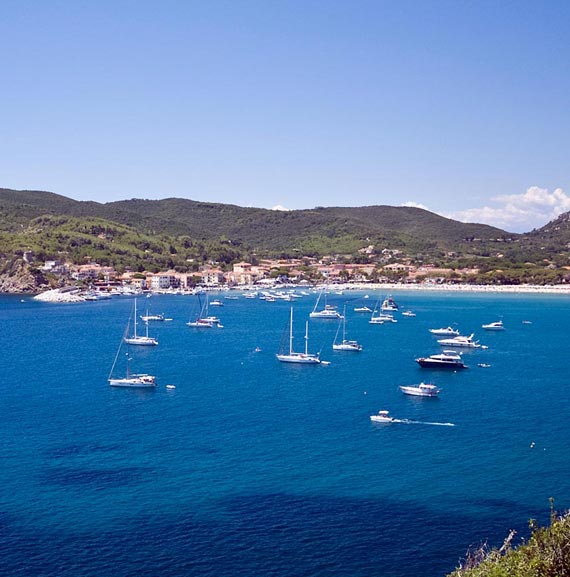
(313, 232)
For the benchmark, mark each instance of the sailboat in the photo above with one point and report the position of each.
(383, 317)
(136, 380)
(389, 304)
(203, 320)
(344, 345)
(293, 357)
(329, 312)
(137, 339)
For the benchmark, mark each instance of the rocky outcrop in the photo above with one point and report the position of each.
(17, 276)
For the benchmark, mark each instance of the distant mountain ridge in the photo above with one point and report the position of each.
(259, 229)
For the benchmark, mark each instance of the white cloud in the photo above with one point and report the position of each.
(519, 212)
(280, 207)
(414, 204)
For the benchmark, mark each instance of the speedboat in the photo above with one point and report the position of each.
(421, 390)
(362, 310)
(460, 341)
(408, 314)
(216, 303)
(446, 332)
(445, 360)
(496, 326)
(382, 417)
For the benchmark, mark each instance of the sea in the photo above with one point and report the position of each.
(252, 467)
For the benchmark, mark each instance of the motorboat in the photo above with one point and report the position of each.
(344, 344)
(216, 303)
(362, 310)
(460, 341)
(389, 304)
(421, 390)
(294, 357)
(496, 326)
(444, 360)
(382, 417)
(446, 332)
(408, 314)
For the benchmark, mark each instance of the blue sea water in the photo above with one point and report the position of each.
(254, 467)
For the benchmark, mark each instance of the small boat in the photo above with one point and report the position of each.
(146, 318)
(344, 344)
(382, 417)
(389, 304)
(408, 314)
(527, 322)
(460, 341)
(381, 319)
(421, 390)
(496, 326)
(216, 303)
(483, 365)
(448, 331)
(203, 320)
(301, 358)
(131, 380)
(329, 312)
(170, 387)
(362, 310)
(137, 339)
(445, 360)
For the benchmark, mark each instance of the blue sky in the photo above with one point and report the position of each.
(457, 106)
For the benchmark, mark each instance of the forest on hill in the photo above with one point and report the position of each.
(182, 234)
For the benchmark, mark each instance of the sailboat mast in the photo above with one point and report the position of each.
(135, 319)
(307, 337)
(291, 333)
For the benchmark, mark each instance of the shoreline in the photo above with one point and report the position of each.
(72, 296)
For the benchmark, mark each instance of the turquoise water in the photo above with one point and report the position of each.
(255, 467)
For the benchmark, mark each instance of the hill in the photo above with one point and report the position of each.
(313, 232)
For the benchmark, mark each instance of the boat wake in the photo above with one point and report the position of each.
(409, 422)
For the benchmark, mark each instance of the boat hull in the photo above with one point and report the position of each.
(431, 364)
(299, 358)
(142, 341)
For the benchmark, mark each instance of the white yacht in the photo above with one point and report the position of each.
(389, 304)
(134, 381)
(460, 341)
(382, 417)
(344, 344)
(293, 357)
(446, 332)
(136, 339)
(421, 390)
(362, 310)
(148, 317)
(328, 312)
(444, 360)
(496, 326)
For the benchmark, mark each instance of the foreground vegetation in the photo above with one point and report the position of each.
(545, 554)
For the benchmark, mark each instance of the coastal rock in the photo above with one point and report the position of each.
(18, 277)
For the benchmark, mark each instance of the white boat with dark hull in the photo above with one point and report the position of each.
(460, 341)
(444, 360)
(496, 326)
(421, 390)
(389, 305)
(136, 339)
(446, 332)
(344, 344)
(305, 358)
